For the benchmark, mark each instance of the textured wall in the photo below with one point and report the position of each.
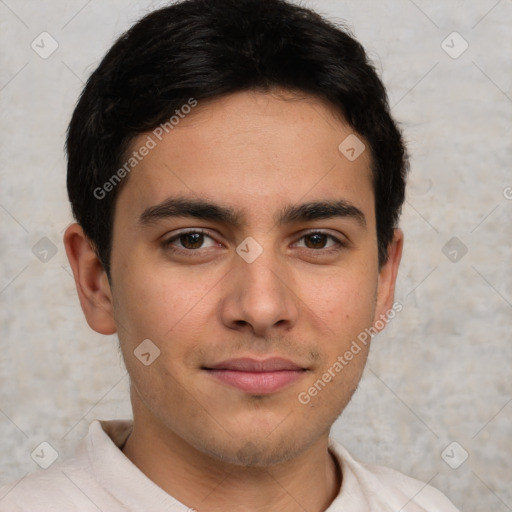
(440, 372)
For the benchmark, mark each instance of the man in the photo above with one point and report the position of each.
(237, 180)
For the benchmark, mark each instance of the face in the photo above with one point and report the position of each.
(245, 249)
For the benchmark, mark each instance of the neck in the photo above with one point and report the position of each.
(308, 482)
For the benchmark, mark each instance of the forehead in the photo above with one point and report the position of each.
(252, 151)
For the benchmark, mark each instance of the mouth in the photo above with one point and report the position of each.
(257, 377)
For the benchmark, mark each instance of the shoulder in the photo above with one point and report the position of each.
(47, 490)
(381, 487)
(71, 485)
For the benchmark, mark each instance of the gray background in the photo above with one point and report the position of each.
(440, 372)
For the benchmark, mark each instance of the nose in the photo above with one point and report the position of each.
(260, 296)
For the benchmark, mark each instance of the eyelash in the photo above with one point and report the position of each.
(167, 244)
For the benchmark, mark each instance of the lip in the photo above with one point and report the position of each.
(257, 377)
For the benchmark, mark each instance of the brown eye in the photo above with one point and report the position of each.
(192, 240)
(320, 241)
(189, 241)
(316, 241)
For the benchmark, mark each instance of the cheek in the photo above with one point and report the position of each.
(154, 303)
(345, 302)
(176, 311)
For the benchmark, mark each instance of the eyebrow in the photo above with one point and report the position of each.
(173, 207)
(319, 210)
(197, 208)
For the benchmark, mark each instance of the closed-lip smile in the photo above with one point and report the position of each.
(257, 377)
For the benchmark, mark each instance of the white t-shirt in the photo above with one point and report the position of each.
(101, 478)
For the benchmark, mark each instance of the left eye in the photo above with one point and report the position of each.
(319, 241)
(191, 240)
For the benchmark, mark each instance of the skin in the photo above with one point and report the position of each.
(305, 299)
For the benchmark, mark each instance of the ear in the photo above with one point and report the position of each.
(387, 278)
(91, 281)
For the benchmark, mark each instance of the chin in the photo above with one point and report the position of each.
(258, 449)
(254, 454)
